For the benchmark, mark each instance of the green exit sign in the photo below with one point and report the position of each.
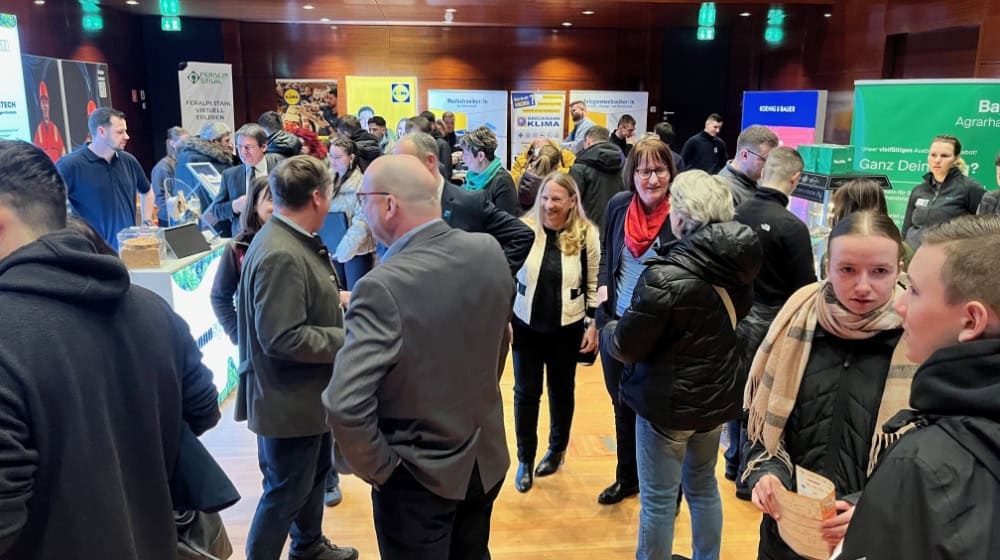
(170, 23)
(170, 7)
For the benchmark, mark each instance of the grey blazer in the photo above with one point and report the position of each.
(415, 385)
(291, 327)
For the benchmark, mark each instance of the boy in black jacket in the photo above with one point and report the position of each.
(936, 494)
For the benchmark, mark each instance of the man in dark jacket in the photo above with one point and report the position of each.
(624, 131)
(422, 123)
(98, 379)
(787, 266)
(291, 327)
(470, 211)
(366, 143)
(279, 143)
(743, 172)
(665, 131)
(936, 493)
(705, 150)
(598, 173)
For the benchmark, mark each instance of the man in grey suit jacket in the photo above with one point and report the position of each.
(414, 413)
(291, 326)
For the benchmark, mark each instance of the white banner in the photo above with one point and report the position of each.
(606, 107)
(206, 94)
(13, 104)
(536, 114)
(472, 109)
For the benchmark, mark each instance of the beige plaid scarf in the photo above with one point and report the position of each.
(780, 363)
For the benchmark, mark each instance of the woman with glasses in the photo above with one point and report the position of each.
(636, 228)
(346, 230)
(678, 339)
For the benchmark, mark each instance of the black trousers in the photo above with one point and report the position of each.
(413, 523)
(554, 353)
(627, 471)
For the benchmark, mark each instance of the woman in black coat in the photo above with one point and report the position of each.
(636, 229)
(682, 355)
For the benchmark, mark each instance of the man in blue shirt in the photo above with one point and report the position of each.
(102, 179)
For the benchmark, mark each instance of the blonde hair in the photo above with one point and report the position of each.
(574, 233)
(702, 197)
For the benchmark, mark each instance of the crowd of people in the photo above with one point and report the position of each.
(347, 283)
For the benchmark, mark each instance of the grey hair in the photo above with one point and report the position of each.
(754, 135)
(214, 130)
(423, 142)
(702, 197)
(782, 163)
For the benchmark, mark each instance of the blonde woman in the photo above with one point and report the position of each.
(556, 290)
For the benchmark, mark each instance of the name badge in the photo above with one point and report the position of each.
(922, 202)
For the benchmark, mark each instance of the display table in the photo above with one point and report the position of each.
(186, 285)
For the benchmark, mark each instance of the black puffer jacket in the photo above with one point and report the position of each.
(676, 338)
(284, 144)
(368, 148)
(831, 427)
(931, 204)
(598, 173)
(936, 494)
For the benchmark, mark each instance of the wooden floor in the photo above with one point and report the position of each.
(558, 518)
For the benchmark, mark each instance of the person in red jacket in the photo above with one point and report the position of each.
(47, 135)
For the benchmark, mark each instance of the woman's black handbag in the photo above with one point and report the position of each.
(199, 489)
(201, 536)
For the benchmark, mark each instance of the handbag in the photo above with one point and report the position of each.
(201, 536)
(586, 358)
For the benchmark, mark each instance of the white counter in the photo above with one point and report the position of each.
(186, 285)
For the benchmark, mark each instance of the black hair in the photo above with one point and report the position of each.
(31, 186)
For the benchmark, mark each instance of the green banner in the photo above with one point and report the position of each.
(895, 121)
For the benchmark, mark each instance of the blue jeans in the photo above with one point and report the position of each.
(666, 459)
(294, 472)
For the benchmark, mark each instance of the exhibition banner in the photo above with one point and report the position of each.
(310, 104)
(206, 94)
(606, 107)
(392, 98)
(797, 117)
(895, 121)
(536, 114)
(13, 107)
(472, 109)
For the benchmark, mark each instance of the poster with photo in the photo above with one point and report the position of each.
(311, 104)
(392, 98)
(44, 96)
(85, 88)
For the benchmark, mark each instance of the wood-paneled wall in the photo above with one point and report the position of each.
(461, 57)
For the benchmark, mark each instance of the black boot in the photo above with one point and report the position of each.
(550, 463)
(523, 478)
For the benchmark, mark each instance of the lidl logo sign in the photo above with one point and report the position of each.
(292, 97)
(400, 93)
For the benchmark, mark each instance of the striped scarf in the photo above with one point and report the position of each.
(780, 364)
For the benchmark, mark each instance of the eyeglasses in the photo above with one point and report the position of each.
(762, 158)
(249, 147)
(363, 196)
(661, 172)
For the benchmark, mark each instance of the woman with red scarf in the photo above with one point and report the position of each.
(636, 229)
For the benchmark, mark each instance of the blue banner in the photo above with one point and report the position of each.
(781, 108)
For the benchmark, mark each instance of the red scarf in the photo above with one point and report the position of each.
(641, 228)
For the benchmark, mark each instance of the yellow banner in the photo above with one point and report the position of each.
(392, 98)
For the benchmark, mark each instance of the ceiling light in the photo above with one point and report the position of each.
(132, 2)
(587, 12)
(567, 24)
(828, 14)
(308, 7)
(333, 27)
(744, 14)
(324, 20)
(451, 10)
(449, 16)
(39, 2)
